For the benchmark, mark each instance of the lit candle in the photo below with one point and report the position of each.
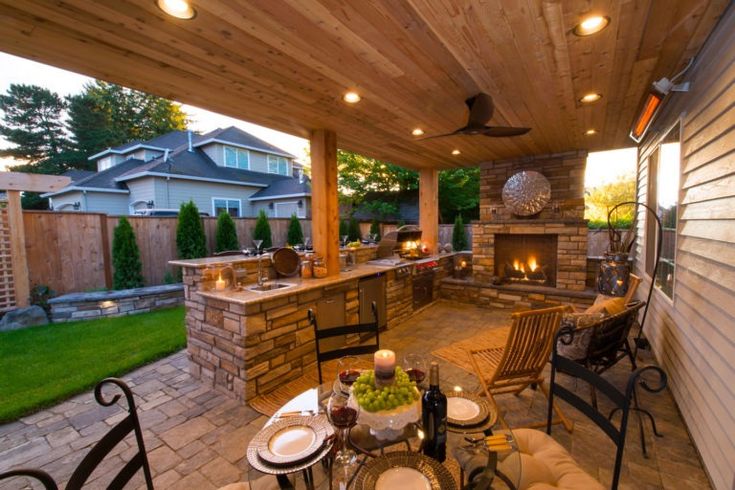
(219, 284)
(385, 366)
(463, 264)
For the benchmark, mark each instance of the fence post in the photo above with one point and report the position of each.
(18, 249)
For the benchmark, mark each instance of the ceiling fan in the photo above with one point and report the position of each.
(481, 111)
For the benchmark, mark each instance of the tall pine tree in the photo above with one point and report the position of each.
(226, 233)
(190, 240)
(295, 233)
(263, 231)
(126, 257)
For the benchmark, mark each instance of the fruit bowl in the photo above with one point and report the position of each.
(386, 410)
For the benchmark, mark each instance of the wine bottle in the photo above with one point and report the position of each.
(434, 417)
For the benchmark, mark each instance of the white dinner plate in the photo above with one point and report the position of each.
(291, 442)
(462, 409)
(288, 441)
(403, 479)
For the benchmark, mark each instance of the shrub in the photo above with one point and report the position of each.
(125, 257)
(263, 230)
(171, 277)
(344, 228)
(295, 233)
(353, 231)
(226, 234)
(190, 240)
(375, 229)
(459, 239)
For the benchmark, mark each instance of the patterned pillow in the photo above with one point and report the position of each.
(577, 349)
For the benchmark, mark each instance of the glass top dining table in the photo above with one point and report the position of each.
(502, 469)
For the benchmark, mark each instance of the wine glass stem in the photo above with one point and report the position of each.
(345, 435)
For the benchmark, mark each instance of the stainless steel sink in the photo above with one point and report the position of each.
(268, 287)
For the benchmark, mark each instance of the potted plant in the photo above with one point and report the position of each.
(615, 267)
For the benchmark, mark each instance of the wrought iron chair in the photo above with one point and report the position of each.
(520, 363)
(40, 475)
(622, 401)
(368, 329)
(103, 447)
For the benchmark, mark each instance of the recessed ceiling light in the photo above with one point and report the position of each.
(177, 8)
(456, 152)
(590, 132)
(351, 97)
(417, 132)
(590, 98)
(591, 25)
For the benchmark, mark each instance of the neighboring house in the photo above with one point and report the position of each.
(223, 170)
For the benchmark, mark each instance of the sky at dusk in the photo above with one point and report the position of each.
(602, 167)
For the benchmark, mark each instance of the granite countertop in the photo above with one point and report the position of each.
(236, 259)
(300, 285)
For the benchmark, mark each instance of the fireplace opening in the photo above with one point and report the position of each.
(526, 259)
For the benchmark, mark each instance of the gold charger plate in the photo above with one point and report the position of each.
(405, 470)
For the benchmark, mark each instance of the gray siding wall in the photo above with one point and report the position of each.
(170, 194)
(64, 202)
(303, 212)
(143, 190)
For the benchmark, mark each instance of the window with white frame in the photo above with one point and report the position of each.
(237, 158)
(277, 165)
(663, 196)
(230, 206)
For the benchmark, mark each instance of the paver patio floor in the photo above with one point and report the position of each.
(196, 437)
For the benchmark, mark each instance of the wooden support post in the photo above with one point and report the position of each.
(324, 202)
(429, 208)
(18, 249)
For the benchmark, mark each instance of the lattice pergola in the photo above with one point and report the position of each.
(14, 281)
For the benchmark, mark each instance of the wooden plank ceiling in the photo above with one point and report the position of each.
(285, 64)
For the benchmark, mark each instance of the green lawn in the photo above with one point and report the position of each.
(40, 366)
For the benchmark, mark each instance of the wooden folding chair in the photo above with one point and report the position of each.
(519, 364)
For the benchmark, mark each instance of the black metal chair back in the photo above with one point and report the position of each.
(609, 341)
(40, 475)
(621, 401)
(103, 447)
(371, 328)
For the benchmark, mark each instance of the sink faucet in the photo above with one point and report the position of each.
(260, 271)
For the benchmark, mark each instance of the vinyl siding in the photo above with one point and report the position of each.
(64, 202)
(201, 193)
(693, 336)
(109, 203)
(143, 190)
(304, 212)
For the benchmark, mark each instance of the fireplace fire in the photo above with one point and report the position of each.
(526, 271)
(526, 259)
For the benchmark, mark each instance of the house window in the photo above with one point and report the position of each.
(277, 165)
(230, 206)
(237, 158)
(663, 192)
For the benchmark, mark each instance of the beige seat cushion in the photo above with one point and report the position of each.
(545, 464)
(236, 486)
(606, 304)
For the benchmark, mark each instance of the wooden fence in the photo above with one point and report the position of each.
(72, 251)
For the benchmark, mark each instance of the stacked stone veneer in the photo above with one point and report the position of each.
(87, 306)
(564, 216)
(253, 348)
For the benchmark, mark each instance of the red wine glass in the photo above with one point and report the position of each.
(415, 367)
(348, 372)
(343, 416)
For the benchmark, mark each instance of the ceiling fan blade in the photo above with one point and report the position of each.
(453, 133)
(481, 110)
(503, 131)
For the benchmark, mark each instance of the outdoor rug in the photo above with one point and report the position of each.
(458, 352)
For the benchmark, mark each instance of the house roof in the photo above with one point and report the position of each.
(76, 175)
(238, 137)
(288, 187)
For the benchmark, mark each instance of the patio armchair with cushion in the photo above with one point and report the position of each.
(520, 363)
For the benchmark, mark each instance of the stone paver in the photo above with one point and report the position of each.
(196, 437)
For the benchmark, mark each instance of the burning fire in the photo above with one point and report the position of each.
(521, 266)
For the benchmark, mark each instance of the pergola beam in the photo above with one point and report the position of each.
(429, 207)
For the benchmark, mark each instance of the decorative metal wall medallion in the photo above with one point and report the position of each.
(526, 193)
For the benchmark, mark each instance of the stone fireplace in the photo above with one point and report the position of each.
(546, 250)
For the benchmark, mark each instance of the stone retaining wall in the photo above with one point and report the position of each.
(87, 306)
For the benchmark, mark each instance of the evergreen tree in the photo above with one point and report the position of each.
(226, 234)
(295, 233)
(459, 239)
(353, 232)
(263, 231)
(190, 240)
(126, 257)
(375, 229)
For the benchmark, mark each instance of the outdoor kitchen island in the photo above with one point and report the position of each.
(249, 343)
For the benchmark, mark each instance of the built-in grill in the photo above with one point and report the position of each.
(423, 283)
(394, 241)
